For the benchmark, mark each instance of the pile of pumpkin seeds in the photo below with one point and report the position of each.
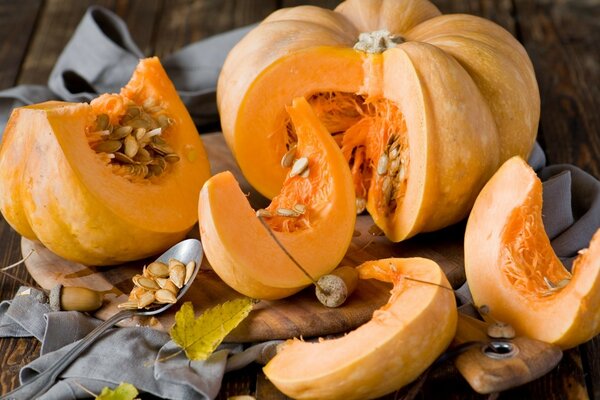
(135, 146)
(159, 283)
(391, 168)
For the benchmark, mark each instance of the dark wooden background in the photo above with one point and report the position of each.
(562, 38)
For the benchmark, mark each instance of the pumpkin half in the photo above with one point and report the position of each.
(391, 350)
(424, 106)
(106, 182)
(512, 269)
(312, 217)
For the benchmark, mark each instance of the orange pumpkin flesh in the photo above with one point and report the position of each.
(240, 248)
(443, 99)
(58, 190)
(402, 339)
(511, 267)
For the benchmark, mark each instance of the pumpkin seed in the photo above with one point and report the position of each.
(361, 205)
(155, 170)
(178, 275)
(382, 164)
(170, 286)
(155, 132)
(300, 165)
(164, 121)
(102, 121)
(143, 156)
(288, 158)
(146, 299)
(136, 293)
(154, 110)
(108, 146)
(286, 212)
(144, 282)
(139, 123)
(133, 112)
(394, 152)
(394, 167)
(162, 282)
(162, 149)
(163, 296)
(299, 208)
(139, 133)
(128, 305)
(189, 270)
(120, 133)
(171, 158)
(158, 269)
(149, 103)
(131, 146)
(123, 158)
(261, 212)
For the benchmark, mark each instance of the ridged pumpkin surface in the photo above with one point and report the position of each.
(391, 350)
(55, 188)
(423, 121)
(512, 269)
(239, 247)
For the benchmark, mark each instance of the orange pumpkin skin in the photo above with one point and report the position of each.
(402, 339)
(54, 188)
(461, 90)
(511, 267)
(240, 249)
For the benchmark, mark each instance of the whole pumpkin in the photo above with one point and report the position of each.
(106, 182)
(424, 106)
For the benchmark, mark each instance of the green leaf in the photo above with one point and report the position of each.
(125, 391)
(199, 337)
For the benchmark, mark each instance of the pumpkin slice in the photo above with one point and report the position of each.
(512, 269)
(312, 217)
(106, 182)
(422, 105)
(402, 339)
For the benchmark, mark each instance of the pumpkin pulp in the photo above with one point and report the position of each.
(312, 217)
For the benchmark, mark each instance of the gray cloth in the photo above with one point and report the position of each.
(134, 355)
(83, 71)
(571, 215)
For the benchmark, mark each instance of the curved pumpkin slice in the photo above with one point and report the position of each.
(511, 267)
(421, 104)
(106, 182)
(313, 217)
(402, 339)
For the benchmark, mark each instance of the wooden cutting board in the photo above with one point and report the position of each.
(299, 315)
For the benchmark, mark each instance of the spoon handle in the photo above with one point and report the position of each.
(44, 381)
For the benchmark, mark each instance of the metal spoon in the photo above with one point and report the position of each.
(185, 251)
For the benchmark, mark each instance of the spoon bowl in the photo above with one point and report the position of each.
(184, 251)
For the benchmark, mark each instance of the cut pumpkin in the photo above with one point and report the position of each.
(512, 269)
(422, 105)
(402, 339)
(106, 182)
(312, 217)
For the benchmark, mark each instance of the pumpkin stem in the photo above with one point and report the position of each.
(377, 41)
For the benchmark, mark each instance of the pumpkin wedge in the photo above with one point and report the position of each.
(106, 182)
(402, 339)
(424, 106)
(512, 269)
(312, 217)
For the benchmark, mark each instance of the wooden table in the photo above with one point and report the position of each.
(560, 36)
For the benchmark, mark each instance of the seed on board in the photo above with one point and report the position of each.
(136, 293)
(361, 204)
(288, 158)
(382, 164)
(286, 212)
(108, 146)
(261, 212)
(170, 286)
(158, 269)
(162, 282)
(299, 208)
(189, 271)
(164, 296)
(300, 165)
(146, 299)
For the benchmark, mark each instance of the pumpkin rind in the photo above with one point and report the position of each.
(402, 339)
(511, 267)
(240, 249)
(63, 195)
(307, 50)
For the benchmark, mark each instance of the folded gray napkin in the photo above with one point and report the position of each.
(134, 355)
(571, 215)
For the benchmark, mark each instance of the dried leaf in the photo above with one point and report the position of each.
(125, 391)
(199, 337)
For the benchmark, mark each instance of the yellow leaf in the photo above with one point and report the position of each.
(199, 337)
(125, 391)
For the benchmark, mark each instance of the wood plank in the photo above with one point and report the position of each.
(17, 21)
(561, 39)
(187, 21)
